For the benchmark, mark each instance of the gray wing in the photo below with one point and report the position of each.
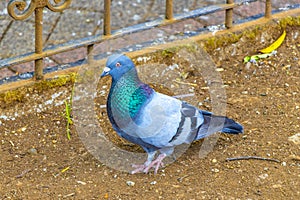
(166, 122)
(191, 120)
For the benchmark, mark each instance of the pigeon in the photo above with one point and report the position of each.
(155, 121)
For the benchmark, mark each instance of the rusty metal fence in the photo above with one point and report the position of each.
(19, 10)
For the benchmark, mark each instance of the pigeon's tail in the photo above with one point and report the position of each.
(214, 124)
(232, 127)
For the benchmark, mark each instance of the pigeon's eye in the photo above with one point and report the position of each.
(118, 64)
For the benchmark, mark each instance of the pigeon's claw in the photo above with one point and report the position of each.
(155, 164)
(138, 168)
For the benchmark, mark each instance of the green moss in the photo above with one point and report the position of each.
(250, 33)
(12, 96)
(289, 21)
(167, 53)
(218, 41)
(18, 95)
(55, 82)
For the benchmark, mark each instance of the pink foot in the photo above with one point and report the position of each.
(138, 168)
(155, 163)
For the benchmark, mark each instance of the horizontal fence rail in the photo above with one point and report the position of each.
(40, 53)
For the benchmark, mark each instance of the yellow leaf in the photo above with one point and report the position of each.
(275, 44)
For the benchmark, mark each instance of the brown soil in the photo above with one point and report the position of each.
(39, 162)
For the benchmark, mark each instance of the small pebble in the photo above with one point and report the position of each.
(283, 164)
(248, 65)
(215, 170)
(19, 184)
(295, 138)
(294, 157)
(81, 182)
(214, 160)
(263, 176)
(276, 186)
(263, 94)
(32, 151)
(136, 17)
(153, 182)
(130, 183)
(172, 37)
(102, 106)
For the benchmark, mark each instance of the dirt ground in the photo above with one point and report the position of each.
(39, 162)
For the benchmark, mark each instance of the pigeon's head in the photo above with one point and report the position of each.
(117, 65)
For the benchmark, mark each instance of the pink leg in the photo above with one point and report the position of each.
(155, 163)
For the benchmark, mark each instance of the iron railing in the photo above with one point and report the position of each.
(37, 7)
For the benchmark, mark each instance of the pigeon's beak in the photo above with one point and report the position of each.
(105, 72)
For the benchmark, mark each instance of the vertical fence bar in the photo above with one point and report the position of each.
(169, 9)
(90, 55)
(268, 9)
(229, 15)
(38, 64)
(106, 28)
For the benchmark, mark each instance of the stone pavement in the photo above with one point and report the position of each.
(85, 18)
